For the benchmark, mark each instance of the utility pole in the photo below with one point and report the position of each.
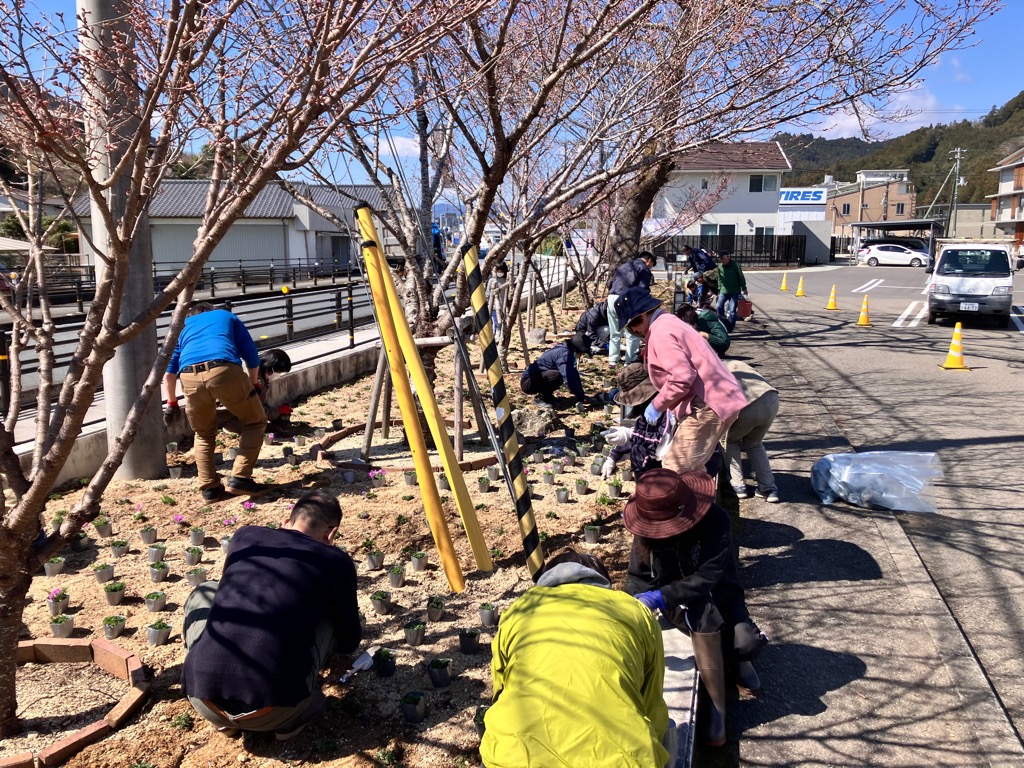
(111, 110)
(958, 154)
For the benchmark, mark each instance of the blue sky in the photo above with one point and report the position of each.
(962, 85)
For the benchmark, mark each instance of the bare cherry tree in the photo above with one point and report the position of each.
(263, 86)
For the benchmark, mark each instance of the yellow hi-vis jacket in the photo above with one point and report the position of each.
(578, 676)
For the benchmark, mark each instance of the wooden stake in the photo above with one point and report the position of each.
(378, 384)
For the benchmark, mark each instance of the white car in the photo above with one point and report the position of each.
(873, 255)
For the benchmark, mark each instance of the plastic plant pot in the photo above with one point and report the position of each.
(581, 408)
(570, 433)
(419, 561)
(414, 707)
(225, 544)
(557, 467)
(375, 560)
(614, 491)
(81, 542)
(410, 478)
(158, 632)
(435, 608)
(591, 533)
(148, 534)
(562, 495)
(627, 475)
(349, 476)
(300, 441)
(538, 457)
(443, 484)
(193, 555)
(492, 473)
(113, 626)
(119, 548)
(488, 615)
(158, 571)
(608, 411)
(196, 576)
(172, 447)
(291, 460)
(440, 673)
(381, 602)
(103, 528)
(469, 640)
(114, 592)
(57, 607)
(62, 625)
(196, 536)
(414, 631)
(174, 472)
(396, 576)
(584, 450)
(484, 483)
(53, 566)
(103, 572)
(582, 487)
(319, 434)
(337, 424)
(377, 482)
(156, 552)
(384, 662)
(569, 460)
(155, 601)
(232, 454)
(595, 468)
(549, 478)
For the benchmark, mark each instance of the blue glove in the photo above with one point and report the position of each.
(653, 599)
(652, 414)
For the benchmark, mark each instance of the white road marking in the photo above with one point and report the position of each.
(906, 313)
(1016, 314)
(903, 322)
(926, 287)
(870, 284)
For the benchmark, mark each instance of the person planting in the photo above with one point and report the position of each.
(257, 640)
(555, 367)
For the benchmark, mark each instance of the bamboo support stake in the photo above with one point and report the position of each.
(371, 416)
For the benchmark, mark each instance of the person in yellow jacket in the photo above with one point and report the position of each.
(578, 674)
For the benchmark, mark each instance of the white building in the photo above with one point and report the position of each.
(800, 204)
(1007, 204)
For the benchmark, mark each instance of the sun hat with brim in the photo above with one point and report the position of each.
(633, 303)
(634, 385)
(668, 503)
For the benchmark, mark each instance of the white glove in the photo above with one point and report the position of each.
(617, 437)
(608, 468)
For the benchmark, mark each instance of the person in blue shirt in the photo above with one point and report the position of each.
(698, 260)
(211, 348)
(594, 323)
(631, 274)
(555, 367)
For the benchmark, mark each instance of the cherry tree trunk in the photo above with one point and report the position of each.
(14, 583)
(624, 241)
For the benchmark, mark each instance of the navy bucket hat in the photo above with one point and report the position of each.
(634, 303)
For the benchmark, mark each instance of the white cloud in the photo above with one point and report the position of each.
(921, 106)
(959, 75)
(403, 147)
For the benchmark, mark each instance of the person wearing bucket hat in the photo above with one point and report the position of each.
(692, 382)
(631, 275)
(634, 393)
(555, 367)
(682, 563)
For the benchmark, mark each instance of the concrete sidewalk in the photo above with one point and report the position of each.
(866, 664)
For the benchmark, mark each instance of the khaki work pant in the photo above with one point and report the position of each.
(231, 387)
(695, 439)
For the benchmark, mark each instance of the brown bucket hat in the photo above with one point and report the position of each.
(668, 503)
(634, 385)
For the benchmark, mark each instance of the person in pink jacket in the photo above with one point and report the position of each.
(692, 382)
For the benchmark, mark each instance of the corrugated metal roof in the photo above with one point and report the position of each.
(739, 156)
(10, 245)
(186, 199)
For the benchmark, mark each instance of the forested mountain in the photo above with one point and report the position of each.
(927, 152)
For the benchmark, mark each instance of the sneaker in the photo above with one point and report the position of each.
(288, 735)
(216, 493)
(228, 731)
(772, 497)
(245, 486)
(742, 491)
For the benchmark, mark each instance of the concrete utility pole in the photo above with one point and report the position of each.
(958, 154)
(111, 120)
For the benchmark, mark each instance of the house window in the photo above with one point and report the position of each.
(900, 208)
(846, 209)
(763, 183)
(762, 238)
(703, 183)
(708, 230)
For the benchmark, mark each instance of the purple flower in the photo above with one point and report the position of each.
(178, 518)
(229, 521)
(248, 505)
(138, 507)
(57, 594)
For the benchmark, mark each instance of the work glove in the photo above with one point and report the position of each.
(171, 408)
(653, 600)
(608, 468)
(617, 437)
(652, 414)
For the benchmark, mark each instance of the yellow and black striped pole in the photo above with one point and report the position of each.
(514, 476)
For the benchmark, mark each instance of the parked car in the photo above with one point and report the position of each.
(973, 278)
(890, 253)
(913, 243)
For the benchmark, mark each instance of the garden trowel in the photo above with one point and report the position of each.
(365, 661)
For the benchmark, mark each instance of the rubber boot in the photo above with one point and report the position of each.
(747, 680)
(707, 655)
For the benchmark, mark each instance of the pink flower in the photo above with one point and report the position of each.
(248, 505)
(178, 518)
(229, 521)
(57, 594)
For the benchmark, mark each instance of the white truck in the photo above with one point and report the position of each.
(973, 277)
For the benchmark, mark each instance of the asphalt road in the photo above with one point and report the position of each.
(884, 389)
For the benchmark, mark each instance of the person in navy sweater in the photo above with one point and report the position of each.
(208, 359)
(555, 367)
(257, 640)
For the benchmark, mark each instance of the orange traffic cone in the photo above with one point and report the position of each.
(785, 285)
(832, 300)
(955, 358)
(800, 288)
(863, 321)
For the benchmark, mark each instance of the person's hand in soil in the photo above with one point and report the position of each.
(608, 468)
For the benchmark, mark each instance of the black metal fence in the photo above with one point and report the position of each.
(748, 250)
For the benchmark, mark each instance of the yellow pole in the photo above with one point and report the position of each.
(426, 396)
(403, 391)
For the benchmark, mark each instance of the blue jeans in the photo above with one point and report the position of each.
(728, 315)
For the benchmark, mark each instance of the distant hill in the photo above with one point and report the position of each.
(925, 151)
